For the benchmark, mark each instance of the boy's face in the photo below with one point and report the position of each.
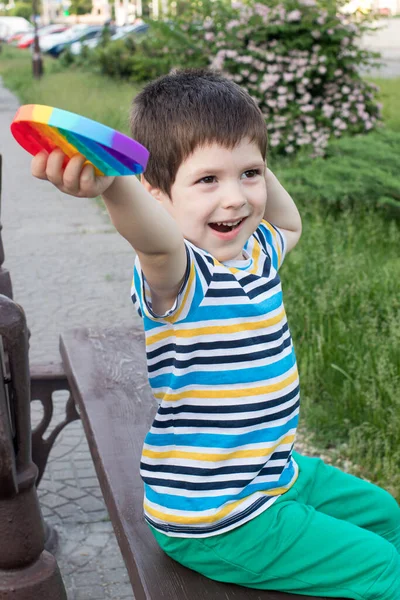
(218, 198)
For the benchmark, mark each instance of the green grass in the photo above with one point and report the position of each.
(87, 94)
(341, 284)
(342, 295)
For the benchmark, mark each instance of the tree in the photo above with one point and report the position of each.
(80, 7)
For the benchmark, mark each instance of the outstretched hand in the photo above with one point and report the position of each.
(76, 179)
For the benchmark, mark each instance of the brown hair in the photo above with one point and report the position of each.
(176, 113)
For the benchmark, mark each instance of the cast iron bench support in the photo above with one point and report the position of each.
(27, 571)
(107, 373)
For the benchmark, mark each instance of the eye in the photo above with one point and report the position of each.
(251, 173)
(207, 179)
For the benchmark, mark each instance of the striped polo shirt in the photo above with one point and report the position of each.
(222, 367)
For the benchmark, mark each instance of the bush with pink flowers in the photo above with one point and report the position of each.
(301, 63)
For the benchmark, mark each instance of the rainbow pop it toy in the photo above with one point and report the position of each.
(37, 127)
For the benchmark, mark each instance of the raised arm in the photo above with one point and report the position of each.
(153, 234)
(137, 216)
(281, 211)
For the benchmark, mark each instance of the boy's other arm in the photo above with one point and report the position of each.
(281, 211)
(136, 215)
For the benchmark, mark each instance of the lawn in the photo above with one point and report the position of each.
(342, 283)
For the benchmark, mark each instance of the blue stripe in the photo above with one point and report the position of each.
(209, 503)
(220, 440)
(220, 378)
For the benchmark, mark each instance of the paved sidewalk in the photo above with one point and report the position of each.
(69, 268)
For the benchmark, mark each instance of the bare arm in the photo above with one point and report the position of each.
(281, 211)
(153, 234)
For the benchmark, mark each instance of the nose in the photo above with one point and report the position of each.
(233, 197)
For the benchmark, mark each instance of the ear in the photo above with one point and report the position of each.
(155, 192)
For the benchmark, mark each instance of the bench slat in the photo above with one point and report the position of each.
(108, 376)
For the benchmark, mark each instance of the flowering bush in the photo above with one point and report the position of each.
(300, 62)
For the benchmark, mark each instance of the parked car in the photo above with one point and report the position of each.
(28, 38)
(85, 34)
(52, 39)
(15, 37)
(11, 25)
(121, 32)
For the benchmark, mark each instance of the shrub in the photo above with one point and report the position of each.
(301, 64)
(356, 172)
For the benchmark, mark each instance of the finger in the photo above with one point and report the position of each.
(72, 174)
(38, 165)
(54, 170)
(87, 181)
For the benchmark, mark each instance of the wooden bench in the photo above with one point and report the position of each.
(107, 374)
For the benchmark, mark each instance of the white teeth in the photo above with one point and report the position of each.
(231, 224)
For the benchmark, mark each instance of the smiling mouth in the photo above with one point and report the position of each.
(225, 227)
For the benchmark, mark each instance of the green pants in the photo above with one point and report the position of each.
(331, 534)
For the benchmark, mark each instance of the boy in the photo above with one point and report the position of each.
(225, 494)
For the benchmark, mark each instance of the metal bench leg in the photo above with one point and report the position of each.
(27, 571)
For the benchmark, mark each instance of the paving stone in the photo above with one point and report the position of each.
(120, 589)
(118, 575)
(94, 592)
(67, 510)
(72, 493)
(86, 473)
(85, 579)
(89, 482)
(91, 504)
(53, 500)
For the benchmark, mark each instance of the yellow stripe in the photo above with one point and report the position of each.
(216, 329)
(275, 236)
(42, 113)
(203, 457)
(176, 316)
(228, 392)
(256, 257)
(183, 520)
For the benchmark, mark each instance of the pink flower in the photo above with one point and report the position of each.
(209, 37)
(322, 69)
(231, 24)
(294, 15)
(288, 76)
